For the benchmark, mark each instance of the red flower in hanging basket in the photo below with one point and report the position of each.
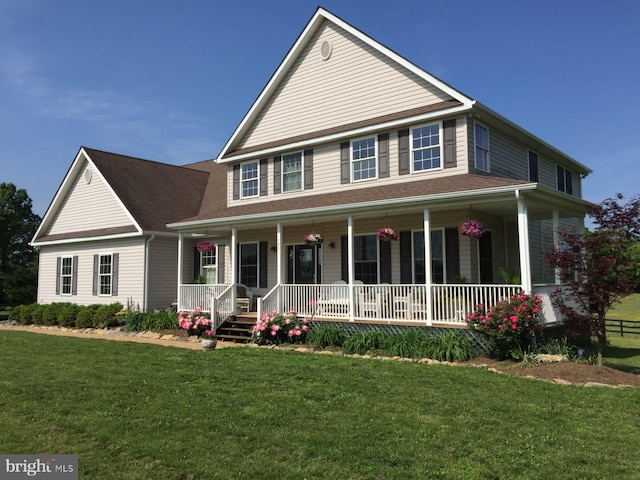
(205, 246)
(387, 234)
(471, 228)
(313, 239)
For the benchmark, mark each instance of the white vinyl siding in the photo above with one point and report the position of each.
(130, 271)
(89, 206)
(316, 94)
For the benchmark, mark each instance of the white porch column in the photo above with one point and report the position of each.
(234, 264)
(427, 265)
(523, 243)
(352, 312)
(180, 262)
(556, 241)
(280, 279)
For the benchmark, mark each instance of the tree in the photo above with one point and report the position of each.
(18, 259)
(597, 268)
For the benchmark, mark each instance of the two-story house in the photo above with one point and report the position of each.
(348, 138)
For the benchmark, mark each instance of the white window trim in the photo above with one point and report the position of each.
(62, 276)
(242, 180)
(475, 147)
(564, 170)
(301, 152)
(213, 266)
(100, 275)
(440, 145)
(375, 157)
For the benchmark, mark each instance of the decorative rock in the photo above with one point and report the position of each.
(151, 335)
(561, 381)
(546, 358)
(327, 352)
(304, 350)
(168, 337)
(596, 384)
(431, 361)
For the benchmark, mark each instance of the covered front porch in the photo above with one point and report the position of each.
(352, 275)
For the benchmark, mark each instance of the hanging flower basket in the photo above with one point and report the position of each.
(387, 234)
(205, 246)
(313, 239)
(471, 228)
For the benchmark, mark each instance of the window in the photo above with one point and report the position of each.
(208, 266)
(482, 148)
(249, 179)
(249, 264)
(425, 147)
(292, 172)
(105, 274)
(366, 258)
(565, 180)
(66, 275)
(363, 156)
(533, 166)
(437, 257)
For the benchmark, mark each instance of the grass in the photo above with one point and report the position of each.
(628, 309)
(136, 411)
(623, 353)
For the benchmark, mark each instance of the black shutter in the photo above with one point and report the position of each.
(220, 260)
(406, 270)
(449, 134)
(452, 246)
(236, 182)
(383, 155)
(568, 182)
(404, 166)
(533, 166)
(308, 169)
(262, 283)
(344, 252)
(264, 183)
(58, 269)
(196, 263)
(96, 265)
(385, 262)
(74, 277)
(345, 162)
(114, 274)
(277, 174)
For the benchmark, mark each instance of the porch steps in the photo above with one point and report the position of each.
(237, 329)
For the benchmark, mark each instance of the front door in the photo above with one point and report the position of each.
(304, 264)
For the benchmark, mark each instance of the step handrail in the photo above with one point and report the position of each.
(222, 306)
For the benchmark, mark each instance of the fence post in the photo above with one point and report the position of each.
(621, 329)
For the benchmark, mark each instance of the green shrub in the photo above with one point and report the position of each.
(448, 347)
(364, 342)
(50, 314)
(134, 320)
(67, 313)
(85, 316)
(16, 312)
(406, 344)
(107, 316)
(327, 335)
(36, 311)
(137, 321)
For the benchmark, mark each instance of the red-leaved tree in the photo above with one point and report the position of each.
(597, 268)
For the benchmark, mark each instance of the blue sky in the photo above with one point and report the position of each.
(169, 80)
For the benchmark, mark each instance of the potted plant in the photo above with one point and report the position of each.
(205, 246)
(313, 239)
(387, 234)
(209, 340)
(471, 228)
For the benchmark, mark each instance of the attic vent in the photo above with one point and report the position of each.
(325, 50)
(87, 175)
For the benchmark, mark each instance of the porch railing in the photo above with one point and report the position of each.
(451, 304)
(222, 306)
(199, 295)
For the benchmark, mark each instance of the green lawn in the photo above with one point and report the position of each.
(135, 411)
(628, 309)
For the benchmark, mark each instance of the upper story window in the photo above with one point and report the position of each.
(565, 180)
(66, 275)
(363, 158)
(292, 172)
(482, 148)
(533, 166)
(249, 179)
(425, 147)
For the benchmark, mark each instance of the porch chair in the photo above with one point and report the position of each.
(334, 302)
(244, 298)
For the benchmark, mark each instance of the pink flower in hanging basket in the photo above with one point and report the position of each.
(313, 239)
(205, 246)
(471, 228)
(387, 234)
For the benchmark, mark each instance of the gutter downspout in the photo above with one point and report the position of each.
(145, 294)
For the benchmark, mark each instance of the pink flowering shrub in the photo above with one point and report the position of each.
(387, 234)
(510, 326)
(275, 328)
(195, 323)
(471, 228)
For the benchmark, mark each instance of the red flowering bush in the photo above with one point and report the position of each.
(274, 329)
(510, 326)
(195, 323)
